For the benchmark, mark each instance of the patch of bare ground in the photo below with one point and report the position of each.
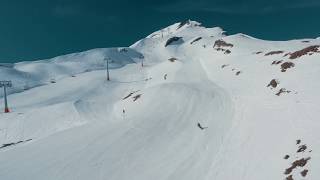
(226, 51)
(308, 50)
(222, 43)
(273, 53)
(171, 40)
(298, 141)
(286, 54)
(302, 148)
(298, 163)
(273, 83)
(220, 49)
(289, 177)
(187, 22)
(195, 40)
(286, 157)
(304, 173)
(286, 65)
(281, 91)
(172, 59)
(136, 97)
(237, 73)
(276, 62)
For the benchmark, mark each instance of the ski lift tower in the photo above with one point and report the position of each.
(5, 84)
(108, 76)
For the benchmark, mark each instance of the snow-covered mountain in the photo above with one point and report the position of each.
(204, 105)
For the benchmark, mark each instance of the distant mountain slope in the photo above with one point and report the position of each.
(26, 75)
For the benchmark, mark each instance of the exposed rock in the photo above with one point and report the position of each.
(298, 163)
(171, 40)
(304, 51)
(197, 39)
(298, 141)
(273, 83)
(302, 148)
(304, 173)
(274, 52)
(222, 43)
(276, 62)
(286, 157)
(172, 59)
(286, 65)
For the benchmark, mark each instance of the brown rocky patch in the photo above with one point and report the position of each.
(286, 65)
(276, 62)
(302, 148)
(273, 53)
(222, 43)
(273, 83)
(286, 54)
(289, 177)
(304, 173)
(286, 157)
(298, 141)
(304, 51)
(298, 163)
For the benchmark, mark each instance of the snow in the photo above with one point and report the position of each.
(143, 123)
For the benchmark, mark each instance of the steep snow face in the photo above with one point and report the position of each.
(203, 106)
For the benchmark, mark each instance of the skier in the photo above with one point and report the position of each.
(123, 113)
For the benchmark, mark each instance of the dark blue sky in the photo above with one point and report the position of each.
(39, 29)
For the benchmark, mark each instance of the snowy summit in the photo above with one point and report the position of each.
(185, 103)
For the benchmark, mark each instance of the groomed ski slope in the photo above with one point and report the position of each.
(143, 123)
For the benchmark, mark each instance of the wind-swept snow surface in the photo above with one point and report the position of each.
(203, 106)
